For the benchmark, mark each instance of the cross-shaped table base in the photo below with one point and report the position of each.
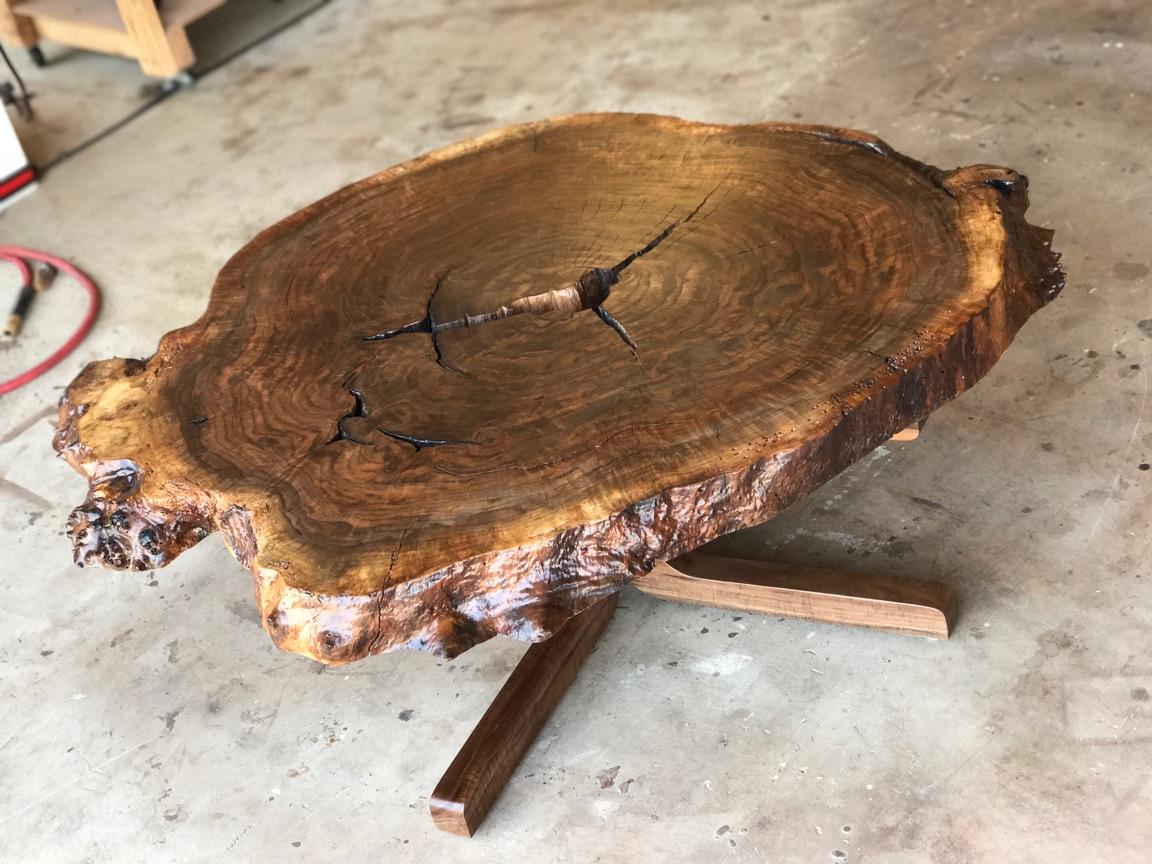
(485, 763)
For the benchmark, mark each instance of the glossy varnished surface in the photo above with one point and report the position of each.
(811, 293)
(914, 607)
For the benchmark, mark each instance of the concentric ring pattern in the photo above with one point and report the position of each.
(439, 484)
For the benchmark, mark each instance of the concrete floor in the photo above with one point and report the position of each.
(81, 94)
(146, 717)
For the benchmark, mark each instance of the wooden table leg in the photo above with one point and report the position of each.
(911, 606)
(16, 28)
(483, 766)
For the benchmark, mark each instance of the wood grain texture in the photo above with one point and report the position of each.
(500, 740)
(16, 29)
(804, 294)
(161, 50)
(914, 607)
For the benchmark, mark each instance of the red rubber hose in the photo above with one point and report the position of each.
(19, 256)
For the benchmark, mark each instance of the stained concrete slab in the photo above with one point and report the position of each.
(145, 717)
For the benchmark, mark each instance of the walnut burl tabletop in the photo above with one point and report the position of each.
(480, 391)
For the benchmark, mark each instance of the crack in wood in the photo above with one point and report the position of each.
(434, 333)
(518, 545)
(360, 409)
(588, 292)
(422, 443)
(607, 317)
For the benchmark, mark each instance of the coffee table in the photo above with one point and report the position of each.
(479, 392)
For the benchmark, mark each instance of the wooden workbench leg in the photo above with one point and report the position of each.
(484, 764)
(912, 606)
(16, 29)
(163, 53)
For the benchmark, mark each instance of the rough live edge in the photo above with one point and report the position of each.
(528, 590)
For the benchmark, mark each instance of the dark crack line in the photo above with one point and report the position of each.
(612, 275)
(660, 238)
(396, 552)
(684, 235)
(421, 443)
(595, 249)
(607, 317)
(424, 325)
(428, 325)
(432, 329)
(342, 435)
(359, 409)
(589, 292)
(387, 576)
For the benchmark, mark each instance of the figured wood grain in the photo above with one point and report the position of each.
(477, 392)
(484, 764)
(898, 605)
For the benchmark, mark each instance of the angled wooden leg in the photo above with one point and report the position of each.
(911, 606)
(484, 764)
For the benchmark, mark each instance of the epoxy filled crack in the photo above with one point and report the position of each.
(360, 409)
(422, 443)
(588, 292)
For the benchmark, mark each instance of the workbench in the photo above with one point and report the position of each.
(155, 37)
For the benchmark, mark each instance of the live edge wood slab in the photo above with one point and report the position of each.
(480, 391)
